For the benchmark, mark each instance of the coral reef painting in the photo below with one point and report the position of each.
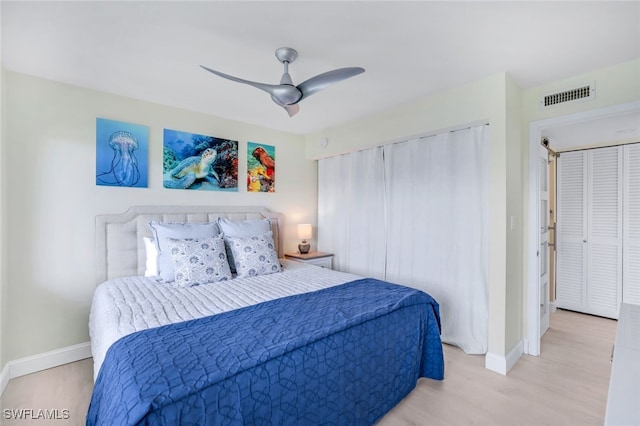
(261, 167)
(193, 161)
(122, 153)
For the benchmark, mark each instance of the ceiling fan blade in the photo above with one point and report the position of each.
(292, 109)
(324, 80)
(269, 88)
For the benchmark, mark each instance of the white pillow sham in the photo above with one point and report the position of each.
(151, 250)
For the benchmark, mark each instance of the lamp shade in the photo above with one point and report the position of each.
(304, 231)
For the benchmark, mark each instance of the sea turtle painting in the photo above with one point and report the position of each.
(193, 161)
(193, 168)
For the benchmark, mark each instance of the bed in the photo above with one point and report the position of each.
(302, 345)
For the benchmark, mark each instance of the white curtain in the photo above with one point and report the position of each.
(351, 212)
(437, 192)
(416, 213)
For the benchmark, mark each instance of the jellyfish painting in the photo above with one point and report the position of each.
(117, 162)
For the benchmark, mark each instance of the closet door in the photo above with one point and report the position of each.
(631, 233)
(589, 252)
(604, 237)
(571, 230)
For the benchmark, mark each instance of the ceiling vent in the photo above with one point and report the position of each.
(582, 93)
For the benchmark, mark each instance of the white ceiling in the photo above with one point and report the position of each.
(152, 50)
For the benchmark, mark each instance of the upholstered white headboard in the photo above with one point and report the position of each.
(119, 246)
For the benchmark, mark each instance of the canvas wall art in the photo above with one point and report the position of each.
(193, 161)
(122, 153)
(261, 167)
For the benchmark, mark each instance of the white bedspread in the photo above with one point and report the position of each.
(125, 305)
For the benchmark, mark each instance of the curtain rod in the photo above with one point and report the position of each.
(453, 130)
(420, 137)
(441, 131)
(466, 126)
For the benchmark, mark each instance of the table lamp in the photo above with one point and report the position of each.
(304, 232)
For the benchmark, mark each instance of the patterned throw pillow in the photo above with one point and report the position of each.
(241, 228)
(255, 255)
(198, 261)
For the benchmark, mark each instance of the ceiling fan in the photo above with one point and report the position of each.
(286, 94)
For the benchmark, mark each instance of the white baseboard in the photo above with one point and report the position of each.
(502, 364)
(44, 361)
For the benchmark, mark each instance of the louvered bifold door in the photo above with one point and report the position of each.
(631, 232)
(604, 236)
(571, 231)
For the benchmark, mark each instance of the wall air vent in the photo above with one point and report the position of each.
(582, 93)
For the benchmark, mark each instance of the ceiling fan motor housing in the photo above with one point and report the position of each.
(286, 94)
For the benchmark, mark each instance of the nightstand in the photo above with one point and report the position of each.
(318, 258)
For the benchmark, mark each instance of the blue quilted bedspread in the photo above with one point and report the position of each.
(342, 355)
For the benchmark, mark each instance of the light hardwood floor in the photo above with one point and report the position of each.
(566, 385)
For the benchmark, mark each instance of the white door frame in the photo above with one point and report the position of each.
(543, 241)
(532, 346)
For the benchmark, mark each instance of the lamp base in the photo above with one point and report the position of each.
(304, 248)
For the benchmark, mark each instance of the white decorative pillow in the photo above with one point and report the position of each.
(241, 228)
(255, 255)
(198, 261)
(151, 249)
(164, 230)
